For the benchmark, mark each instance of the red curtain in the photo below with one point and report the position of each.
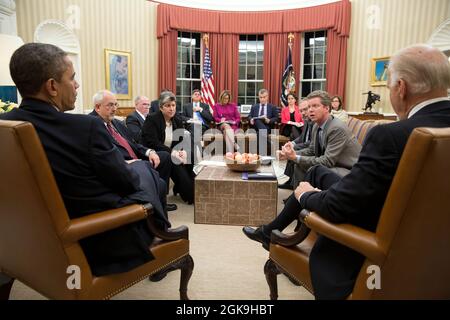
(275, 25)
(337, 50)
(224, 51)
(167, 67)
(332, 15)
(336, 64)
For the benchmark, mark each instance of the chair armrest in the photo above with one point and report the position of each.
(291, 239)
(181, 232)
(360, 240)
(96, 223)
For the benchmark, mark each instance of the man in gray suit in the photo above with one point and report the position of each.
(332, 143)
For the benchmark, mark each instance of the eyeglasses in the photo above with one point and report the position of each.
(112, 105)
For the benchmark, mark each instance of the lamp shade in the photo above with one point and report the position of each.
(9, 45)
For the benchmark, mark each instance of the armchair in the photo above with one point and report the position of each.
(410, 244)
(38, 241)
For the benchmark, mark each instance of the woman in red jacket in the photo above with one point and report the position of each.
(291, 118)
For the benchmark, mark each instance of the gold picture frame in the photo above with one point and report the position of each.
(379, 71)
(118, 73)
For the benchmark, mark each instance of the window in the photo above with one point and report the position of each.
(188, 66)
(251, 56)
(314, 62)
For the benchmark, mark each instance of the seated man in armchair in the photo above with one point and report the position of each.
(89, 170)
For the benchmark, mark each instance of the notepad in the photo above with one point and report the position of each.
(258, 176)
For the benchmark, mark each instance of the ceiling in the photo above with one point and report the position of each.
(249, 5)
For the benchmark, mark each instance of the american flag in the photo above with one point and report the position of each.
(207, 81)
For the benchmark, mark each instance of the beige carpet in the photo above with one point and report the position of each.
(228, 266)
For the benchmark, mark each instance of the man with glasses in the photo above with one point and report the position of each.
(105, 107)
(136, 119)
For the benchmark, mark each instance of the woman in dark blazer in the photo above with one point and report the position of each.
(157, 134)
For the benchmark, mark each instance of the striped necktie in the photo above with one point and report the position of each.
(121, 140)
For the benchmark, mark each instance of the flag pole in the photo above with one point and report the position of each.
(288, 78)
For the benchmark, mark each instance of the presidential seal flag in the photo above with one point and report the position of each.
(288, 78)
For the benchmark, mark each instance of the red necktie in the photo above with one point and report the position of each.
(121, 140)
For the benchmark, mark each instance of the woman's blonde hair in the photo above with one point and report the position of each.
(223, 95)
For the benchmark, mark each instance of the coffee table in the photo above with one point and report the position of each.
(222, 197)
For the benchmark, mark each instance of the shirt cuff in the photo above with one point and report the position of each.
(298, 158)
(147, 153)
(299, 198)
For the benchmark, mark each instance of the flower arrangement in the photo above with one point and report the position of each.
(7, 106)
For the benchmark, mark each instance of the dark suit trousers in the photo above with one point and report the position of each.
(338, 284)
(319, 177)
(183, 179)
(165, 166)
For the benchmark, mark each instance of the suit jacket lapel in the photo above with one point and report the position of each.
(141, 121)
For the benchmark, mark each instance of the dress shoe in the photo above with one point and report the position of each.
(257, 235)
(171, 207)
(286, 186)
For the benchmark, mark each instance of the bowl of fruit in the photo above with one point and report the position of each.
(245, 162)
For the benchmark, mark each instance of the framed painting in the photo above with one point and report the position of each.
(379, 71)
(118, 73)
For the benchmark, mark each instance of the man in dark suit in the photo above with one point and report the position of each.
(197, 118)
(262, 118)
(197, 112)
(90, 171)
(418, 80)
(303, 141)
(105, 106)
(135, 120)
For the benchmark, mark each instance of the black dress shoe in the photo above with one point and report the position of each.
(171, 207)
(286, 186)
(257, 235)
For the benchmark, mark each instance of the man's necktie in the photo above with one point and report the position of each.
(121, 140)
(319, 142)
(199, 117)
(261, 110)
(306, 127)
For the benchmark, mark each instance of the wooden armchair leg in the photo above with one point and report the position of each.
(187, 267)
(5, 286)
(271, 271)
